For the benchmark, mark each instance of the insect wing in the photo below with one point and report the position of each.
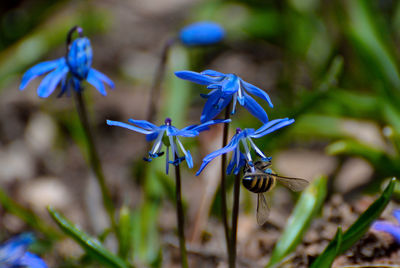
(294, 184)
(262, 209)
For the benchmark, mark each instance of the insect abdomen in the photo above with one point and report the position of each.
(258, 184)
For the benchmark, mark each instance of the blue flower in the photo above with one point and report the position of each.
(168, 135)
(68, 71)
(244, 137)
(225, 88)
(388, 227)
(13, 253)
(202, 33)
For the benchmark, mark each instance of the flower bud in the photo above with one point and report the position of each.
(79, 58)
(202, 33)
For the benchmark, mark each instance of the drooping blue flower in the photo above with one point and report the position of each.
(169, 136)
(224, 89)
(202, 33)
(388, 227)
(241, 143)
(13, 253)
(68, 71)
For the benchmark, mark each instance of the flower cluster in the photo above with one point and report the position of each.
(68, 71)
(224, 89)
(244, 137)
(168, 135)
(13, 253)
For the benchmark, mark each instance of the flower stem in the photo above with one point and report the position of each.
(224, 207)
(235, 213)
(158, 78)
(180, 217)
(94, 158)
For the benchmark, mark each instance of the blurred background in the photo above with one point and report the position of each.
(330, 65)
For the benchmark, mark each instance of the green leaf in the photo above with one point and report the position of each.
(362, 224)
(384, 164)
(306, 208)
(357, 229)
(330, 252)
(90, 245)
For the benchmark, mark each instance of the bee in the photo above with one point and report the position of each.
(259, 179)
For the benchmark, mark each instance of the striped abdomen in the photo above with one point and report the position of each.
(258, 183)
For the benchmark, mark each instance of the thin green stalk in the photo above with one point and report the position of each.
(158, 78)
(180, 217)
(94, 158)
(235, 214)
(224, 207)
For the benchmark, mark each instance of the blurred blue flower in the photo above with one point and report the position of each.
(202, 33)
(226, 87)
(245, 136)
(13, 253)
(388, 227)
(69, 71)
(169, 136)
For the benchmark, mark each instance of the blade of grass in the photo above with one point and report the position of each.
(89, 244)
(330, 252)
(357, 229)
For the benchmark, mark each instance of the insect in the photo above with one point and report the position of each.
(259, 179)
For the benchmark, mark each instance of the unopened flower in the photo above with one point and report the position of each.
(169, 136)
(241, 143)
(224, 89)
(68, 71)
(202, 33)
(388, 227)
(13, 253)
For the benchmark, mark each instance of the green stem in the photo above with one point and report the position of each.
(235, 213)
(94, 158)
(224, 207)
(180, 217)
(158, 78)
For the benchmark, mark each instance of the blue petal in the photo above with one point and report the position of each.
(214, 105)
(189, 159)
(389, 228)
(201, 127)
(79, 57)
(281, 124)
(230, 84)
(38, 70)
(13, 249)
(96, 82)
(212, 73)
(232, 163)
(195, 77)
(255, 109)
(124, 125)
(143, 124)
(50, 82)
(257, 92)
(151, 136)
(31, 260)
(231, 146)
(270, 124)
(102, 77)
